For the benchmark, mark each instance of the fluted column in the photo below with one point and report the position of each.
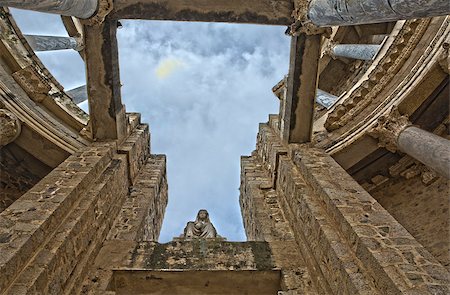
(355, 51)
(9, 127)
(395, 132)
(78, 8)
(48, 43)
(326, 13)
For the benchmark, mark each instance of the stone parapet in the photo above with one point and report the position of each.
(141, 216)
(264, 220)
(137, 149)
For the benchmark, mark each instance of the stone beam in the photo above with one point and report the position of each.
(78, 8)
(48, 43)
(233, 11)
(396, 132)
(298, 110)
(326, 13)
(107, 114)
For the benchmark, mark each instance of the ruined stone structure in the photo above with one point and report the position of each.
(347, 191)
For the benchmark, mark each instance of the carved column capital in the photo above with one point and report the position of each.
(389, 128)
(9, 127)
(104, 8)
(302, 24)
(328, 49)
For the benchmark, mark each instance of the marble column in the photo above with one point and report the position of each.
(325, 99)
(78, 94)
(79, 8)
(48, 43)
(355, 51)
(10, 127)
(395, 132)
(326, 13)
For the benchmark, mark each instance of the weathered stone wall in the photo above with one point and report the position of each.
(141, 216)
(349, 242)
(15, 175)
(50, 235)
(423, 209)
(265, 221)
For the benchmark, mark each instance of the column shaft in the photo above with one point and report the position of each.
(426, 147)
(78, 94)
(350, 12)
(78, 8)
(356, 51)
(47, 43)
(325, 99)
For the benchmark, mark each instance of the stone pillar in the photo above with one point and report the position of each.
(9, 127)
(47, 43)
(325, 99)
(395, 132)
(78, 94)
(326, 13)
(356, 51)
(79, 8)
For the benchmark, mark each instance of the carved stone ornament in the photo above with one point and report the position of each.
(388, 129)
(9, 127)
(104, 8)
(201, 228)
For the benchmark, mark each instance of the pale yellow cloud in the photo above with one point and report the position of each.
(167, 67)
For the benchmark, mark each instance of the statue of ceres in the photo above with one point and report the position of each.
(201, 227)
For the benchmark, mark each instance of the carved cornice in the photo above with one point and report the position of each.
(388, 129)
(377, 80)
(10, 127)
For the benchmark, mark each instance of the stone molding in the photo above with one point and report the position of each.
(378, 79)
(10, 127)
(388, 129)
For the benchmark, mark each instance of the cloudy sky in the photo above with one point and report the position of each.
(203, 88)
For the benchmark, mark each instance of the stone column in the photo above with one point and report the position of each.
(395, 132)
(78, 8)
(9, 127)
(326, 13)
(78, 94)
(325, 99)
(47, 43)
(356, 51)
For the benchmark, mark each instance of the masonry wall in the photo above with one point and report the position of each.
(349, 243)
(51, 234)
(423, 209)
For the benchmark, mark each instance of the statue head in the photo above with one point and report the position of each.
(203, 215)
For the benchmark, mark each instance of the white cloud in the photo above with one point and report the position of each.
(203, 109)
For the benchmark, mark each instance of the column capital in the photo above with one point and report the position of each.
(388, 129)
(9, 127)
(104, 8)
(302, 24)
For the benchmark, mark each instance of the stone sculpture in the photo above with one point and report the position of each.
(200, 228)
